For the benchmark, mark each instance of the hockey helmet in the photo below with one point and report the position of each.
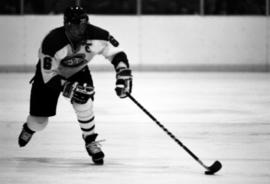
(75, 22)
(75, 15)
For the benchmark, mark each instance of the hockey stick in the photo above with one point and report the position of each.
(215, 167)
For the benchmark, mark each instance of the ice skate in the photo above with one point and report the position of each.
(25, 135)
(93, 149)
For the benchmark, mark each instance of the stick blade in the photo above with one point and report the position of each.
(215, 167)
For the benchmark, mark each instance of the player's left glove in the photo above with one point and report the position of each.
(78, 93)
(123, 82)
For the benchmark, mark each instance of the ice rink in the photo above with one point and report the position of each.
(218, 116)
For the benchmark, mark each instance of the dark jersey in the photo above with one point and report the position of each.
(58, 56)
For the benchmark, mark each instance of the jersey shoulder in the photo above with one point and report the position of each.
(54, 41)
(97, 33)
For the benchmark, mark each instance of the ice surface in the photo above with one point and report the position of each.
(219, 116)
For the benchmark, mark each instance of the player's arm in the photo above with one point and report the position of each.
(48, 51)
(48, 68)
(121, 64)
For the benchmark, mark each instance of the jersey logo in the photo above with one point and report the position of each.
(73, 60)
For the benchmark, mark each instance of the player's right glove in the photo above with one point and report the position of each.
(123, 82)
(78, 93)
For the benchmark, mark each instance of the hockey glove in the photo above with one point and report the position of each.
(78, 93)
(123, 82)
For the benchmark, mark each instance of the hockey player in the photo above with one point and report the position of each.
(63, 68)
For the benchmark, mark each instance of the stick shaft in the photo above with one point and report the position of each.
(167, 131)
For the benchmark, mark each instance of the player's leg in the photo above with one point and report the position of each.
(32, 125)
(86, 119)
(43, 102)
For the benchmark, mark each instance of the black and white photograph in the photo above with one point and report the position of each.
(135, 92)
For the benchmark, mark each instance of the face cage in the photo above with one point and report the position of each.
(77, 31)
(77, 20)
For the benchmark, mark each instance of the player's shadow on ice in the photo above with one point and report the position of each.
(52, 162)
(77, 165)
